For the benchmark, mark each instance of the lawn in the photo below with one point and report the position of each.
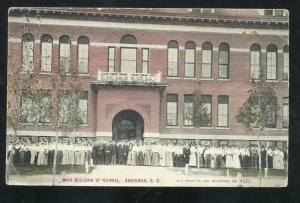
(47, 170)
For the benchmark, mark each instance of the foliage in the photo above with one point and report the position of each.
(259, 110)
(198, 112)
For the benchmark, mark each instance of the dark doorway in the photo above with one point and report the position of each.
(128, 125)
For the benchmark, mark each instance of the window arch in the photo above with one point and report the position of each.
(271, 62)
(83, 54)
(224, 61)
(190, 55)
(27, 52)
(255, 61)
(206, 66)
(64, 53)
(173, 58)
(286, 62)
(46, 55)
(128, 39)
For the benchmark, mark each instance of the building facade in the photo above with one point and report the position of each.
(139, 68)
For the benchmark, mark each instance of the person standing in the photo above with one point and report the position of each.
(95, 153)
(114, 149)
(193, 158)
(155, 155)
(229, 157)
(147, 160)
(263, 157)
(101, 153)
(270, 153)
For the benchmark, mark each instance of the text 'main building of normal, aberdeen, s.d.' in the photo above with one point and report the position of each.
(138, 69)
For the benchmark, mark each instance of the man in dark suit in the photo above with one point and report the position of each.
(107, 152)
(101, 153)
(114, 150)
(186, 154)
(95, 153)
(263, 157)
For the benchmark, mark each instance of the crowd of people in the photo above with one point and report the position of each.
(139, 153)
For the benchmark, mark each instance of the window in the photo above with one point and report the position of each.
(128, 39)
(145, 65)
(64, 54)
(206, 60)
(128, 55)
(286, 62)
(271, 62)
(128, 60)
(278, 12)
(172, 100)
(46, 55)
(223, 109)
(274, 12)
(173, 59)
(255, 61)
(188, 110)
(71, 104)
(111, 59)
(83, 55)
(206, 102)
(285, 113)
(83, 106)
(190, 53)
(269, 12)
(35, 107)
(223, 61)
(27, 52)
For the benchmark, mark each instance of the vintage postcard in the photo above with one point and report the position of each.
(186, 97)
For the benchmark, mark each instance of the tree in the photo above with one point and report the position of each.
(33, 101)
(197, 111)
(258, 112)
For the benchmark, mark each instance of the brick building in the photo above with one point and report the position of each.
(140, 67)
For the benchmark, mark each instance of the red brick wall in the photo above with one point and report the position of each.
(236, 87)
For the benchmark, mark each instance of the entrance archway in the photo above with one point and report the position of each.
(128, 125)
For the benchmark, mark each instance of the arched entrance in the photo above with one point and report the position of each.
(128, 125)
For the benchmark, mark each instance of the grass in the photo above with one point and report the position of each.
(47, 170)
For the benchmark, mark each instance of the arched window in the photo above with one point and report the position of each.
(189, 65)
(206, 71)
(271, 62)
(128, 55)
(27, 52)
(128, 39)
(83, 54)
(255, 61)
(173, 58)
(286, 62)
(64, 54)
(46, 55)
(224, 61)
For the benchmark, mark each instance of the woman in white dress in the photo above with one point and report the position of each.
(236, 158)
(134, 154)
(33, 151)
(200, 157)
(65, 158)
(193, 157)
(70, 149)
(155, 155)
(278, 159)
(129, 157)
(229, 157)
(41, 157)
(162, 154)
